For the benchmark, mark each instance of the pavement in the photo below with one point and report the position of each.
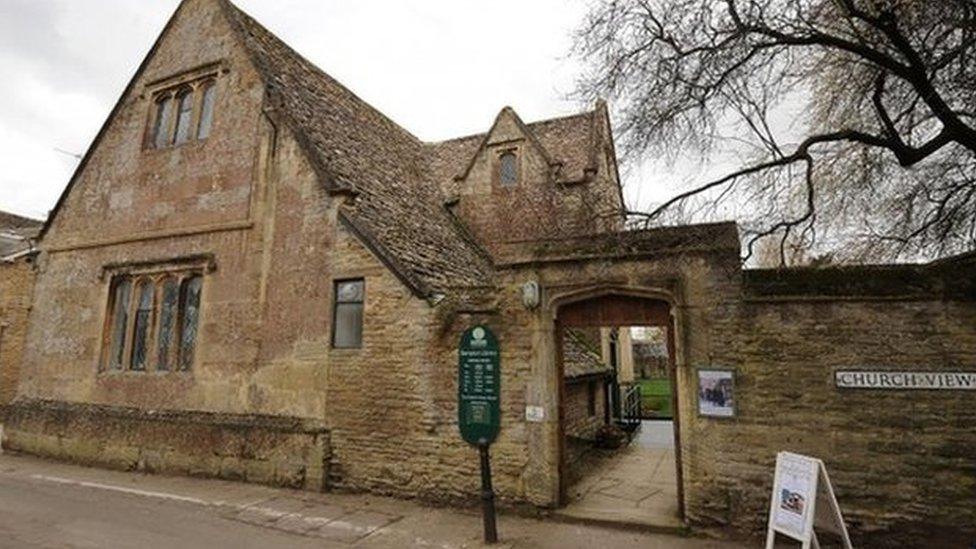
(636, 484)
(47, 504)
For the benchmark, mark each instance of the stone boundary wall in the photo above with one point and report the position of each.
(901, 461)
(279, 451)
(953, 278)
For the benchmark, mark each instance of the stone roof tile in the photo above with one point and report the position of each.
(580, 357)
(400, 183)
(355, 147)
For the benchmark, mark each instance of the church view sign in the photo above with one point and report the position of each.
(905, 380)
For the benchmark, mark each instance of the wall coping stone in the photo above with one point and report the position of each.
(707, 238)
(952, 278)
(62, 409)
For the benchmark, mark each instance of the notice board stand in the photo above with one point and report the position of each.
(803, 501)
(479, 408)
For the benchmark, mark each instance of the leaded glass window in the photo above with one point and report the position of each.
(119, 323)
(141, 321)
(161, 127)
(170, 293)
(190, 317)
(508, 168)
(156, 324)
(206, 110)
(184, 116)
(183, 113)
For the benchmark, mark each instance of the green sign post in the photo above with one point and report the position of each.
(479, 408)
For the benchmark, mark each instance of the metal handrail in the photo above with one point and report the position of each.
(632, 414)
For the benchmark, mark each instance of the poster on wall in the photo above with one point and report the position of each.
(716, 393)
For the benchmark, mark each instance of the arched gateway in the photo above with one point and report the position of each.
(641, 479)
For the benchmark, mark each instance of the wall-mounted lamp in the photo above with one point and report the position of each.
(530, 294)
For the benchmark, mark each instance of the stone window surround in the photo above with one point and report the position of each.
(336, 282)
(195, 80)
(497, 151)
(182, 268)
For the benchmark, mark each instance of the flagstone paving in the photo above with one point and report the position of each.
(636, 484)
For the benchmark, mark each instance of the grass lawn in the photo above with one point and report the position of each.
(656, 397)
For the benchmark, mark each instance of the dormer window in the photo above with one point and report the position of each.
(508, 172)
(183, 113)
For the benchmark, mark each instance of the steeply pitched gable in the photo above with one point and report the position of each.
(357, 149)
(568, 143)
(395, 181)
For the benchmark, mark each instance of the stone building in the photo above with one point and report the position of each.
(255, 275)
(586, 374)
(17, 235)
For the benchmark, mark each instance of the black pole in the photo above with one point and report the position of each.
(487, 496)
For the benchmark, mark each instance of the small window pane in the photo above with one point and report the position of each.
(120, 320)
(190, 311)
(348, 314)
(140, 331)
(350, 292)
(167, 324)
(508, 169)
(206, 112)
(164, 113)
(185, 114)
(349, 325)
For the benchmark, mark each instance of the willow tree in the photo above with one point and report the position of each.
(883, 93)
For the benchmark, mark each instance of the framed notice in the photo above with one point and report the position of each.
(716, 392)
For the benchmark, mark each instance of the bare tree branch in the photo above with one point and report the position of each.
(886, 89)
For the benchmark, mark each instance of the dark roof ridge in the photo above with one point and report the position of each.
(541, 121)
(10, 220)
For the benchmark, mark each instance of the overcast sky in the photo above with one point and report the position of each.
(441, 68)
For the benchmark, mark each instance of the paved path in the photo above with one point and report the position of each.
(46, 504)
(636, 484)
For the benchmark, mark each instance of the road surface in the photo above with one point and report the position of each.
(46, 504)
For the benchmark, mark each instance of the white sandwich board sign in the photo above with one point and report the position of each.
(803, 501)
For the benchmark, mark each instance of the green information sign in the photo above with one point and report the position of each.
(479, 376)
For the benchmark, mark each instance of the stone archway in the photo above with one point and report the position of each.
(616, 307)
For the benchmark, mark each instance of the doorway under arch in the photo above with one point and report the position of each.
(593, 316)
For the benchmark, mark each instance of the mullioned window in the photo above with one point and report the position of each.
(152, 323)
(182, 114)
